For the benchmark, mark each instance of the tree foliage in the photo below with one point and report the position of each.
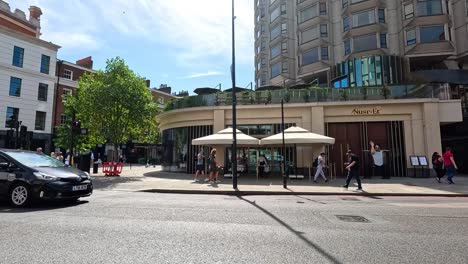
(115, 105)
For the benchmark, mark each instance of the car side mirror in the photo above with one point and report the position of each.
(4, 165)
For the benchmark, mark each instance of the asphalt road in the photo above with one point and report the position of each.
(129, 227)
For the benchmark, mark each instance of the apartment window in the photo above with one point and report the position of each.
(309, 35)
(45, 64)
(364, 43)
(275, 32)
(432, 34)
(357, 1)
(310, 56)
(285, 67)
(275, 14)
(323, 9)
(344, 3)
(275, 70)
(284, 47)
(263, 79)
(161, 100)
(67, 74)
(18, 56)
(66, 92)
(383, 40)
(364, 18)
(262, 48)
(63, 119)
(411, 37)
(381, 15)
(409, 12)
(15, 86)
(284, 28)
(345, 23)
(429, 7)
(275, 51)
(40, 120)
(324, 53)
(259, 65)
(283, 9)
(347, 46)
(308, 13)
(42, 92)
(12, 115)
(323, 30)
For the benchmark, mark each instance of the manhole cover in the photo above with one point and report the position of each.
(349, 199)
(352, 218)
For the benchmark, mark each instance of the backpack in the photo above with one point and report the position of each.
(315, 163)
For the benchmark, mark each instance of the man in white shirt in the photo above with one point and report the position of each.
(378, 157)
(320, 166)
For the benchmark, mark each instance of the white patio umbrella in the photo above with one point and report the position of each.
(224, 137)
(297, 135)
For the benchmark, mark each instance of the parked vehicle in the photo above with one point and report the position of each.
(27, 176)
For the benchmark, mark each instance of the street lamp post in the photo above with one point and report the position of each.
(234, 101)
(285, 180)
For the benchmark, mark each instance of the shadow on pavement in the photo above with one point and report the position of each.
(299, 234)
(40, 206)
(104, 182)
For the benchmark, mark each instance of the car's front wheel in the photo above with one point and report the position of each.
(20, 195)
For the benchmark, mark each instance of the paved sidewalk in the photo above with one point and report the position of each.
(152, 179)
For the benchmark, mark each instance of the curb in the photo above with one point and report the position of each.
(246, 193)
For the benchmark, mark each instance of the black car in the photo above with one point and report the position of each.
(27, 176)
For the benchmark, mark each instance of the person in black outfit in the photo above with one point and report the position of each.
(353, 170)
(437, 164)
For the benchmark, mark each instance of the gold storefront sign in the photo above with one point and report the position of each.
(367, 111)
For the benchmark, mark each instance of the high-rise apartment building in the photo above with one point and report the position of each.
(356, 43)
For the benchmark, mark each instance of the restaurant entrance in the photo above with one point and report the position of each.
(356, 136)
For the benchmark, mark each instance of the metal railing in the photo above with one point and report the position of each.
(313, 94)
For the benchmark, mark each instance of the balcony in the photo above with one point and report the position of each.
(310, 95)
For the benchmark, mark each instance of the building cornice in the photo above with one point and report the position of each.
(33, 40)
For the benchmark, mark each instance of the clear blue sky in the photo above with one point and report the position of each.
(183, 43)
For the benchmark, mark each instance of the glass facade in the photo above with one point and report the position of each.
(370, 71)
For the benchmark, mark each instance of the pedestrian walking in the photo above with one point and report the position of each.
(262, 164)
(449, 164)
(320, 165)
(214, 170)
(438, 166)
(352, 166)
(200, 167)
(378, 158)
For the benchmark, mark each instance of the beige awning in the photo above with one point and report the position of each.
(224, 137)
(297, 135)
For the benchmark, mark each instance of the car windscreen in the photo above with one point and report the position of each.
(35, 160)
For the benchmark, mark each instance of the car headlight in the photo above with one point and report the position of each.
(87, 175)
(45, 176)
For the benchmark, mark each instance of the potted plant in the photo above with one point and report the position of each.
(364, 92)
(344, 94)
(386, 91)
(287, 96)
(268, 97)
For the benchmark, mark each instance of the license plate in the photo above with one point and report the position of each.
(80, 188)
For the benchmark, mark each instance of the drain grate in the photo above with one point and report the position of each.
(349, 199)
(352, 218)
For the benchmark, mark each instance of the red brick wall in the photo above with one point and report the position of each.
(13, 26)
